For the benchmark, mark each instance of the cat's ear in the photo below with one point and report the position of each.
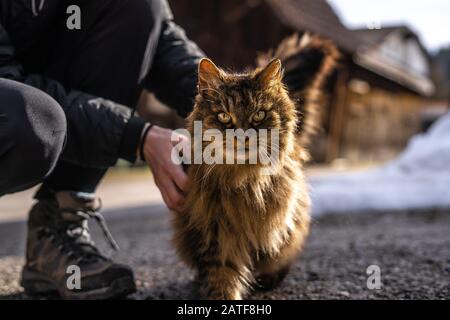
(209, 75)
(271, 74)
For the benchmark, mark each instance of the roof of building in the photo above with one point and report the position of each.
(370, 55)
(316, 16)
(319, 17)
(368, 37)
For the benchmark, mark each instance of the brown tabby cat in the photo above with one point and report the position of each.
(242, 228)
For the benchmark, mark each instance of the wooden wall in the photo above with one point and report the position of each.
(377, 126)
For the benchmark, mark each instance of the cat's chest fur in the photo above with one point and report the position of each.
(259, 212)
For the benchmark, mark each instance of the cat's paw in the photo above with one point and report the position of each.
(223, 294)
(269, 281)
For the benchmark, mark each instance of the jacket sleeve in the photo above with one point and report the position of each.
(98, 131)
(173, 75)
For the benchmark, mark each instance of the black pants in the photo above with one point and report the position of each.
(32, 134)
(103, 59)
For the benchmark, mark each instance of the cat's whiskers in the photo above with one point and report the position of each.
(269, 158)
(205, 177)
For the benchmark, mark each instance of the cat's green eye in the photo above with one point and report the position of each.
(224, 117)
(259, 116)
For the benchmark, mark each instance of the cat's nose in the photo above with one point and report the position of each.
(246, 126)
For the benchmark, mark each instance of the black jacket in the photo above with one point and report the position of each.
(98, 136)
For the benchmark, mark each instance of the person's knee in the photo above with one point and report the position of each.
(37, 130)
(46, 134)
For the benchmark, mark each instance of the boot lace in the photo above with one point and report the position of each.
(73, 237)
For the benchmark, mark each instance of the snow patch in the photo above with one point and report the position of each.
(418, 178)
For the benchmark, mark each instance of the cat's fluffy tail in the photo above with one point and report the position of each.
(308, 63)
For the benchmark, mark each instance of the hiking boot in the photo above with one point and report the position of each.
(59, 246)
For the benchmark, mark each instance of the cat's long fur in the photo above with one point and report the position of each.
(241, 228)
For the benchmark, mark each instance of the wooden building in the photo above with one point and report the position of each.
(441, 73)
(375, 97)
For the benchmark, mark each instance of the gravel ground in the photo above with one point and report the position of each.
(411, 248)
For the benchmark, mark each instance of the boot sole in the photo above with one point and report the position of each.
(38, 284)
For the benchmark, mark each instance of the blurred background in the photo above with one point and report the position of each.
(394, 79)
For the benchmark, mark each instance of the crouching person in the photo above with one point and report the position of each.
(67, 100)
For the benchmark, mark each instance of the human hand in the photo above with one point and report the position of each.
(169, 177)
